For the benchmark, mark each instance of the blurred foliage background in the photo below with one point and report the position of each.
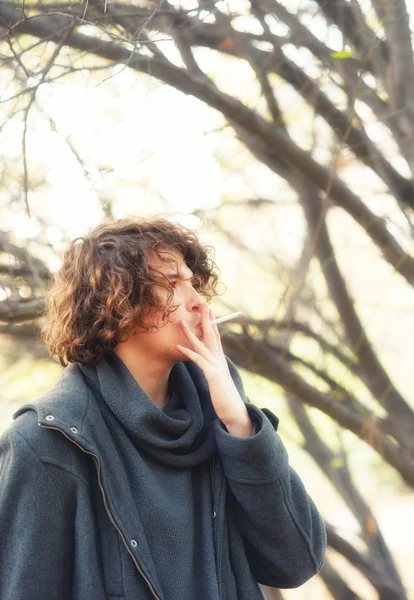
(283, 133)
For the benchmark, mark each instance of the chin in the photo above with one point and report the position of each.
(182, 359)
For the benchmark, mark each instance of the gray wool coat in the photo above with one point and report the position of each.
(70, 529)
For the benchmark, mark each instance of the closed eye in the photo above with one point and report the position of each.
(195, 282)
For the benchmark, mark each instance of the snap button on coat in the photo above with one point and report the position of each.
(50, 418)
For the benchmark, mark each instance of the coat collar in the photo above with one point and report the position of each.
(68, 405)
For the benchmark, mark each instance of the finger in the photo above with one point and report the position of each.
(219, 344)
(215, 330)
(197, 344)
(215, 334)
(201, 362)
(214, 326)
(210, 337)
(206, 321)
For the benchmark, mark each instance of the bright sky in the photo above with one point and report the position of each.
(149, 136)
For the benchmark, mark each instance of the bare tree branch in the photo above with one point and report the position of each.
(387, 590)
(400, 69)
(31, 263)
(271, 141)
(11, 310)
(400, 414)
(256, 356)
(371, 48)
(335, 584)
(379, 557)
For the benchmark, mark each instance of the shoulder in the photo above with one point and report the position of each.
(28, 445)
(42, 471)
(26, 441)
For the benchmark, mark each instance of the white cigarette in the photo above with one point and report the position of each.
(227, 318)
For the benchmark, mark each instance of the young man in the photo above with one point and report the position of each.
(145, 472)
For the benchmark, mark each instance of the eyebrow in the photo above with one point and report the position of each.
(178, 276)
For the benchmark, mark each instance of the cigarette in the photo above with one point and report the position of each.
(227, 317)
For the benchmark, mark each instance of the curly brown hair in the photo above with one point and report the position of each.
(105, 285)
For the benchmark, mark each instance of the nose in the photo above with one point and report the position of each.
(195, 302)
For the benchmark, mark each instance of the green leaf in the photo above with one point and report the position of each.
(337, 463)
(343, 54)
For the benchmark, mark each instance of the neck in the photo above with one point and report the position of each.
(151, 374)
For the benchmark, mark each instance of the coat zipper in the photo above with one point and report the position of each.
(219, 532)
(106, 505)
(214, 514)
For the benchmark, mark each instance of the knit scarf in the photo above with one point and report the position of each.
(181, 433)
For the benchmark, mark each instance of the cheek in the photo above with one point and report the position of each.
(178, 313)
(152, 318)
(172, 324)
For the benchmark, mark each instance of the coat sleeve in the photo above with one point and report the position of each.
(283, 532)
(36, 540)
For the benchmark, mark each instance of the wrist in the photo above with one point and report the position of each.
(240, 427)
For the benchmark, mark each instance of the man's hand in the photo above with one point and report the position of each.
(209, 356)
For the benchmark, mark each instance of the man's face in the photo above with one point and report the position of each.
(162, 343)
